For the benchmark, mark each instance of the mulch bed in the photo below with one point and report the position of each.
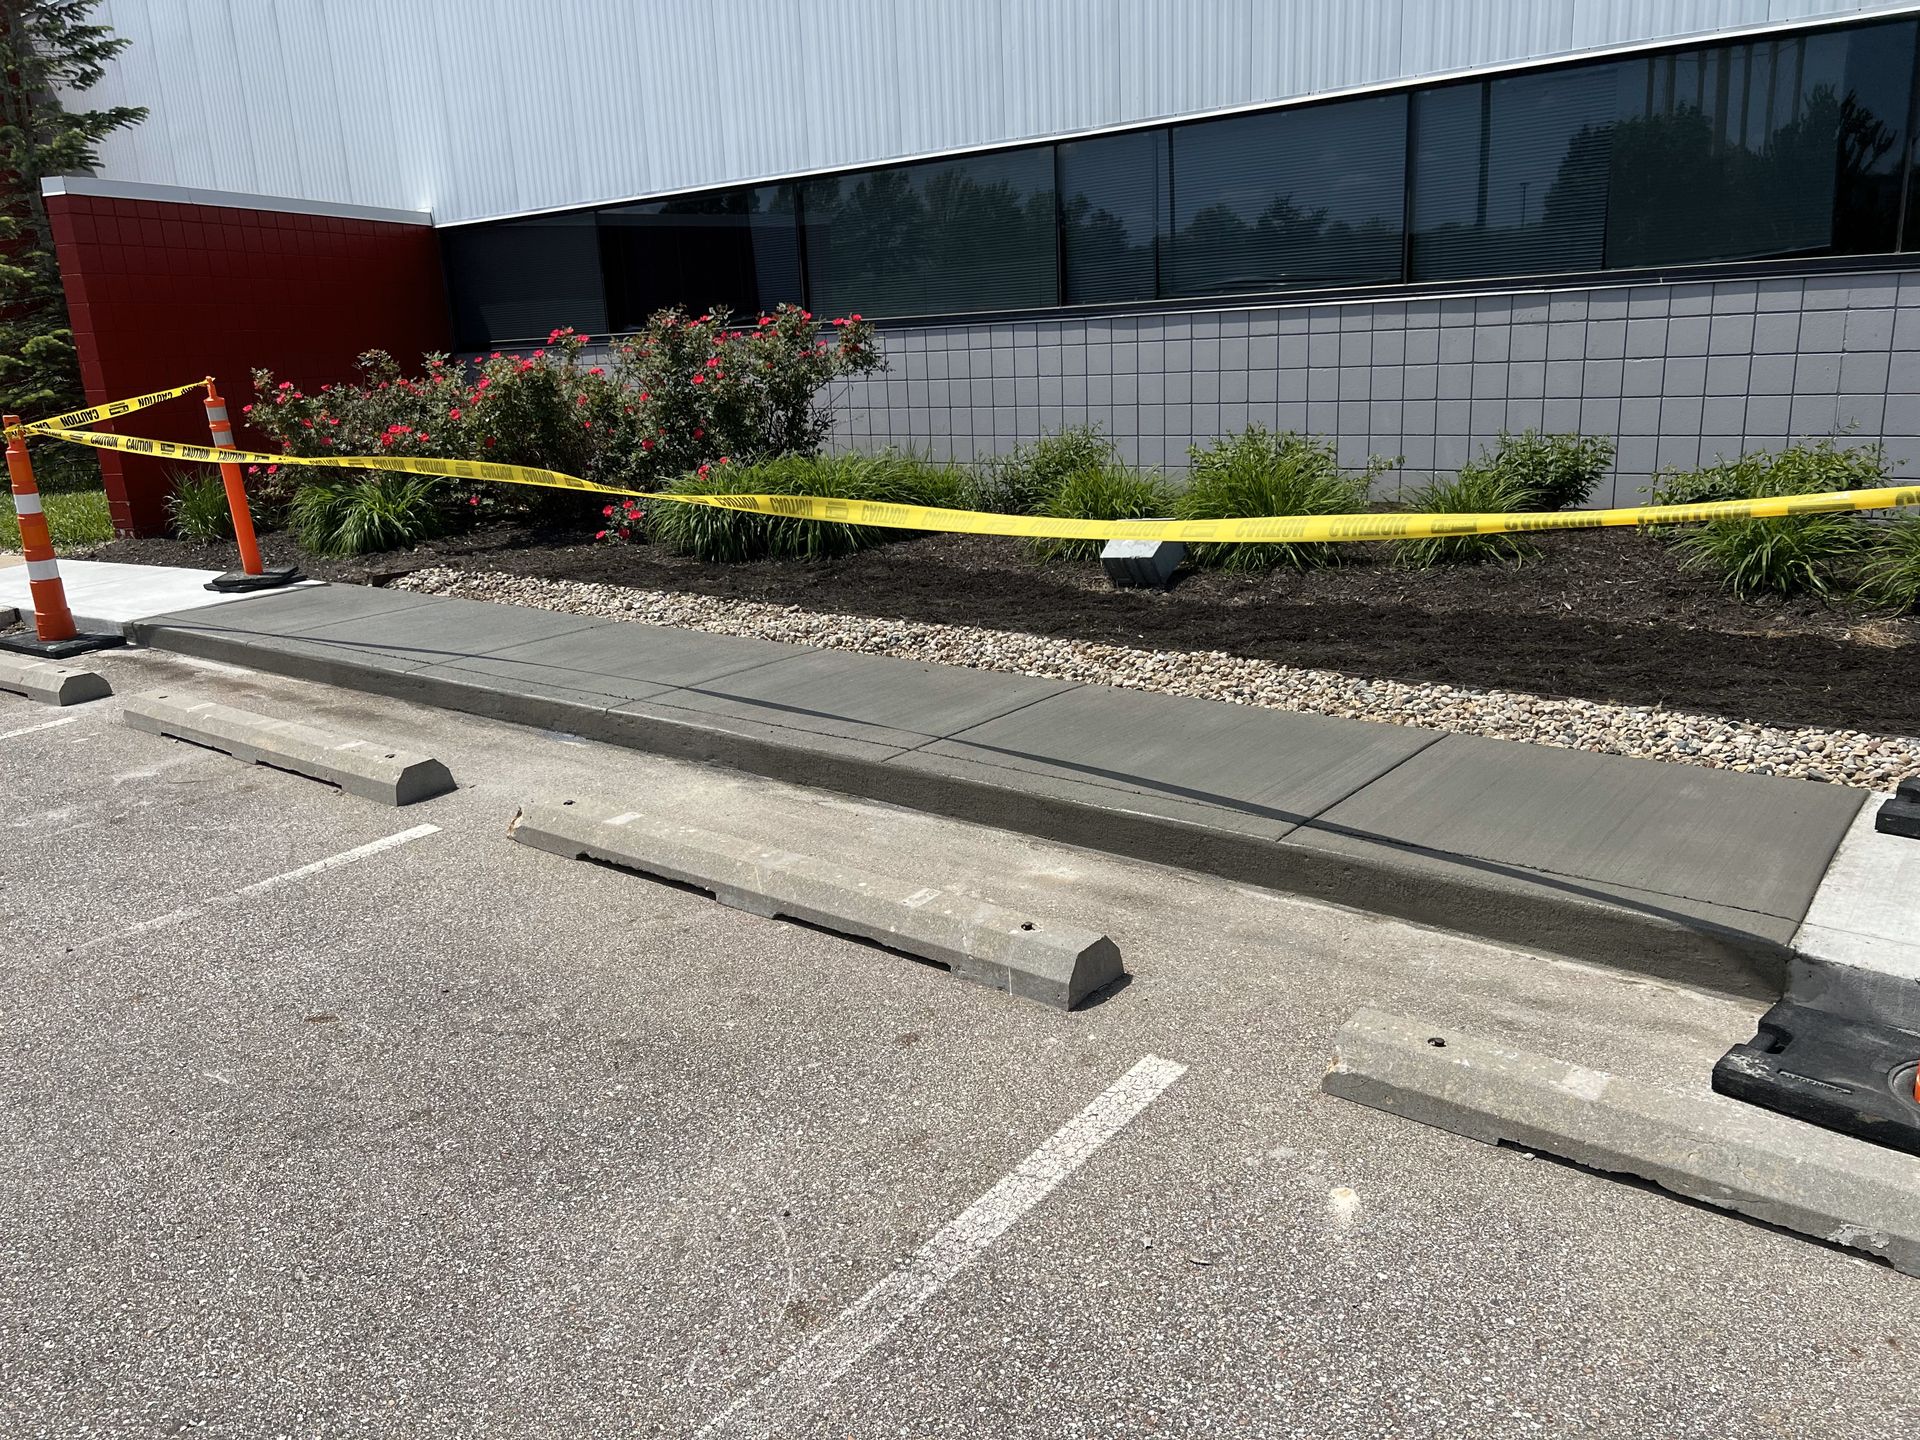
(1602, 615)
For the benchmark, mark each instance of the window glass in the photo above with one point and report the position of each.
(1767, 148)
(1112, 209)
(737, 248)
(1510, 176)
(1873, 138)
(947, 236)
(519, 279)
(1311, 196)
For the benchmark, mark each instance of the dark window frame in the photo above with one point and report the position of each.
(1166, 191)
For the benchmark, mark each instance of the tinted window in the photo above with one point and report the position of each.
(1510, 176)
(739, 249)
(1112, 209)
(945, 237)
(519, 279)
(1312, 196)
(1773, 148)
(1873, 138)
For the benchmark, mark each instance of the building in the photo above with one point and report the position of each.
(1404, 224)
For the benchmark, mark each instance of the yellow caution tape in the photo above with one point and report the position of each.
(113, 409)
(1293, 529)
(412, 464)
(1259, 530)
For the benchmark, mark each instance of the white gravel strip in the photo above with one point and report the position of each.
(1873, 762)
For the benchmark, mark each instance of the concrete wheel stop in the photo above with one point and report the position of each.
(1705, 1147)
(367, 768)
(1058, 965)
(51, 684)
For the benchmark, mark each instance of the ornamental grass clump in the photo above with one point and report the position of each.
(1890, 579)
(730, 536)
(377, 510)
(1479, 489)
(197, 509)
(1783, 555)
(1259, 472)
(1110, 492)
(1022, 481)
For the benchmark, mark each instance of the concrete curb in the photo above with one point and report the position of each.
(360, 767)
(1705, 1147)
(1407, 884)
(52, 684)
(1857, 952)
(1057, 965)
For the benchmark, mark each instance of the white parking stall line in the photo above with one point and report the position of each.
(768, 1408)
(259, 887)
(43, 725)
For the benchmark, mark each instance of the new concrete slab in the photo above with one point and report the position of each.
(607, 651)
(897, 704)
(1667, 937)
(1699, 1145)
(448, 630)
(1235, 767)
(269, 631)
(280, 646)
(1666, 870)
(1739, 842)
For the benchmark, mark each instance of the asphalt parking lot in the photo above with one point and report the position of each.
(324, 1119)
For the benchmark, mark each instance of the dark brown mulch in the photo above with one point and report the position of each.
(1601, 615)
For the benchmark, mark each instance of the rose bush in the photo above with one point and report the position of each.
(682, 394)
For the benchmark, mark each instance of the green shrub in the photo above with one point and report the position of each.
(74, 518)
(1784, 556)
(1259, 472)
(1022, 481)
(1479, 489)
(1891, 576)
(1797, 470)
(1112, 492)
(380, 510)
(676, 395)
(1787, 555)
(198, 506)
(1550, 472)
(730, 536)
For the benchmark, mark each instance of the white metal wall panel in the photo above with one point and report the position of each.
(472, 108)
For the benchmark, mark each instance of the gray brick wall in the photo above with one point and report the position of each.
(1676, 374)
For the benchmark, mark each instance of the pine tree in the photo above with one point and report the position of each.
(46, 48)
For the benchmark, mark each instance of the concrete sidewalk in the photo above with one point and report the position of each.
(1669, 870)
(105, 596)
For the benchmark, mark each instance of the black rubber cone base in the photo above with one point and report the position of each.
(1832, 1072)
(236, 581)
(27, 643)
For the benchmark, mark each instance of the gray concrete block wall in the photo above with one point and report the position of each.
(1675, 374)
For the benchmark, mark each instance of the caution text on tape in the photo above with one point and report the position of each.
(1269, 529)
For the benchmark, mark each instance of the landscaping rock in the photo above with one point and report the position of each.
(1872, 762)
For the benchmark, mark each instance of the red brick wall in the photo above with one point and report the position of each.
(162, 293)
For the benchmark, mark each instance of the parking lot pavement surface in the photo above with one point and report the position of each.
(319, 1118)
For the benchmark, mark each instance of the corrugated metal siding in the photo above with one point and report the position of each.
(470, 108)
